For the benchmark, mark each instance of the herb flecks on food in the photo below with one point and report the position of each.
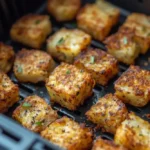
(37, 21)
(19, 69)
(39, 123)
(125, 40)
(61, 41)
(68, 72)
(26, 105)
(92, 59)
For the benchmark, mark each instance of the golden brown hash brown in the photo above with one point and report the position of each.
(69, 86)
(69, 134)
(34, 113)
(133, 86)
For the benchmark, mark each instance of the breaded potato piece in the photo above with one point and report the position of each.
(133, 86)
(63, 10)
(96, 20)
(111, 10)
(33, 65)
(9, 92)
(68, 134)
(65, 44)
(134, 133)
(141, 32)
(108, 113)
(31, 30)
(34, 113)
(123, 45)
(101, 65)
(6, 57)
(69, 86)
(100, 144)
(139, 18)
(141, 24)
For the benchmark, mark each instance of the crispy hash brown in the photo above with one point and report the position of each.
(33, 65)
(69, 86)
(100, 144)
(111, 10)
(31, 30)
(101, 65)
(65, 44)
(141, 24)
(68, 134)
(124, 46)
(133, 86)
(97, 19)
(6, 57)
(134, 133)
(9, 92)
(63, 10)
(34, 113)
(108, 113)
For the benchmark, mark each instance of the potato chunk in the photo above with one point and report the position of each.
(33, 65)
(100, 144)
(34, 113)
(101, 65)
(63, 10)
(6, 57)
(134, 133)
(97, 19)
(111, 10)
(9, 92)
(31, 30)
(123, 45)
(68, 134)
(65, 44)
(133, 86)
(141, 24)
(108, 113)
(139, 18)
(69, 86)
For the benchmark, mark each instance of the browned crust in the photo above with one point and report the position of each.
(52, 5)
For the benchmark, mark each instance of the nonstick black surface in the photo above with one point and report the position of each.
(27, 89)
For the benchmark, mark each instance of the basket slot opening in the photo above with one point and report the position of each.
(134, 109)
(8, 134)
(40, 146)
(78, 113)
(27, 87)
(3, 148)
(107, 136)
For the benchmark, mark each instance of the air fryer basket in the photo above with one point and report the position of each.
(15, 137)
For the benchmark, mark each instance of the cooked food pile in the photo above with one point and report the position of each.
(71, 69)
